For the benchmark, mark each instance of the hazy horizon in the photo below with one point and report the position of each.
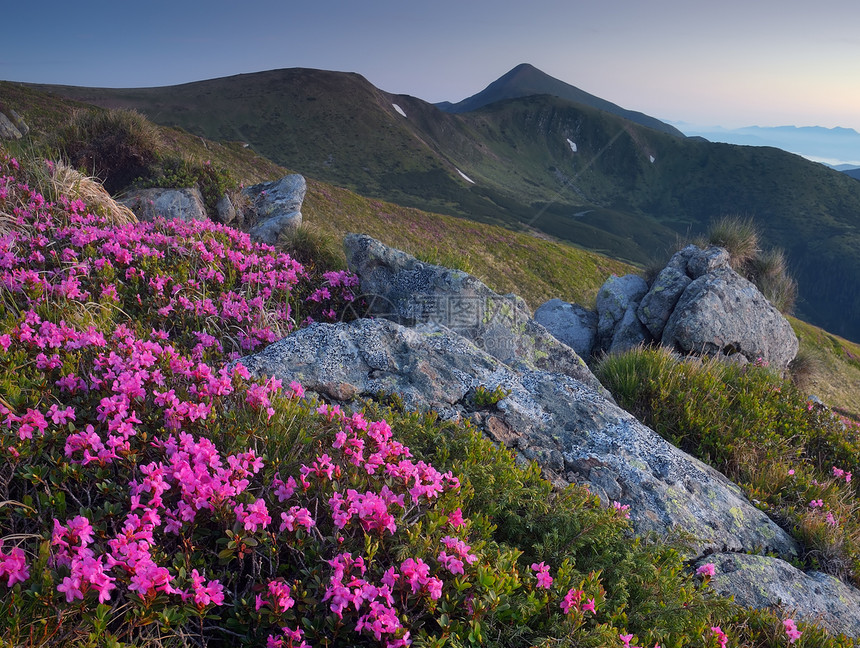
(738, 64)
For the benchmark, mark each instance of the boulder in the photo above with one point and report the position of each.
(723, 314)
(567, 425)
(225, 212)
(629, 332)
(569, 323)
(8, 130)
(615, 296)
(765, 582)
(657, 304)
(701, 262)
(405, 290)
(276, 207)
(182, 204)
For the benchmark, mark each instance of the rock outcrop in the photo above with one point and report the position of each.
(567, 425)
(696, 305)
(766, 582)
(408, 291)
(12, 126)
(276, 207)
(183, 204)
(723, 314)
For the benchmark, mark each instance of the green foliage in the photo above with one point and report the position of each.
(312, 247)
(760, 431)
(173, 172)
(738, 235)
(116, 146)
(488, 398)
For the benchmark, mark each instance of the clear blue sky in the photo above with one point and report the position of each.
(730, 63)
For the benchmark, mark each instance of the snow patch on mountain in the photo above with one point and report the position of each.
(399, 109)
(465, 177)
(572, 145)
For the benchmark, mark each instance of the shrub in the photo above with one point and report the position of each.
(312, 247)
(115, 145)
(172, 172)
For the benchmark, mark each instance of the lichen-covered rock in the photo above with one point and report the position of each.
(723, 314)
(276, 207)
(567, 425)
(409, 291)
(657, 304)
(570, 323)
(765, 582)
(182, 204)
(615, 296)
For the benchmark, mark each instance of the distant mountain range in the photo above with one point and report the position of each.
(836, 147)
(542, 162)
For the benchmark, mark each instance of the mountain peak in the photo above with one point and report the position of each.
(525, 80)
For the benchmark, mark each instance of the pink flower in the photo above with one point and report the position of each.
(572, 600)
(722, 638)
(708, 569)
(455, 518)
(590, 606)
(544, 580)
(14, 566)
(791, 630)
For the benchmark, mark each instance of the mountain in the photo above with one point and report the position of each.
(854, 173)
(538, 162)
(834, 146)
(526, 80)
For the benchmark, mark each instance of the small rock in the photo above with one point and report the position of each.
(182, 204)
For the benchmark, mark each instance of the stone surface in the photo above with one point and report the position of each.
(765, 582)
(657, 304)
(225, 212)
(276, 207)
(570, 323)
(615, 296)
(567, 425)
(408, 291)
(183, 204)
(629, 332)
(8, 129)
(723, 314)
(701, 262)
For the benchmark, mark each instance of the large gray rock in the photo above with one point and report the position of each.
(276, 207)
(615, 296)
(401, 288)
(570, 323)
(567, 425)
(765, 582)
(723, 314)
(660, 300)
(182, 204)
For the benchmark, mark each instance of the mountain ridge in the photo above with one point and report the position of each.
(525, 80)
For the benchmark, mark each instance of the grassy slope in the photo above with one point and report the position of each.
(607, 197)
(537, 269)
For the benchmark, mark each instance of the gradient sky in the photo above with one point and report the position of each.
(730, 63)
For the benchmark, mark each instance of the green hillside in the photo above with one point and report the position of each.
(607, 196)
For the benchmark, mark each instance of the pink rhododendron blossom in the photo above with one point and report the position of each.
(544, 580)
(791, 630)
(708, 569)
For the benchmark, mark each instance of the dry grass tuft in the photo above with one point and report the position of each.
(67, 181)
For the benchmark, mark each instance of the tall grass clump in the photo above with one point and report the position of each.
(154, 493)
(116, 146)
(792, 455)
(767, 269)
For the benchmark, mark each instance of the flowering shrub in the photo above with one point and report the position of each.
(151, 492)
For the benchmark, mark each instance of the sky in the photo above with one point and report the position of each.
(730, 63)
